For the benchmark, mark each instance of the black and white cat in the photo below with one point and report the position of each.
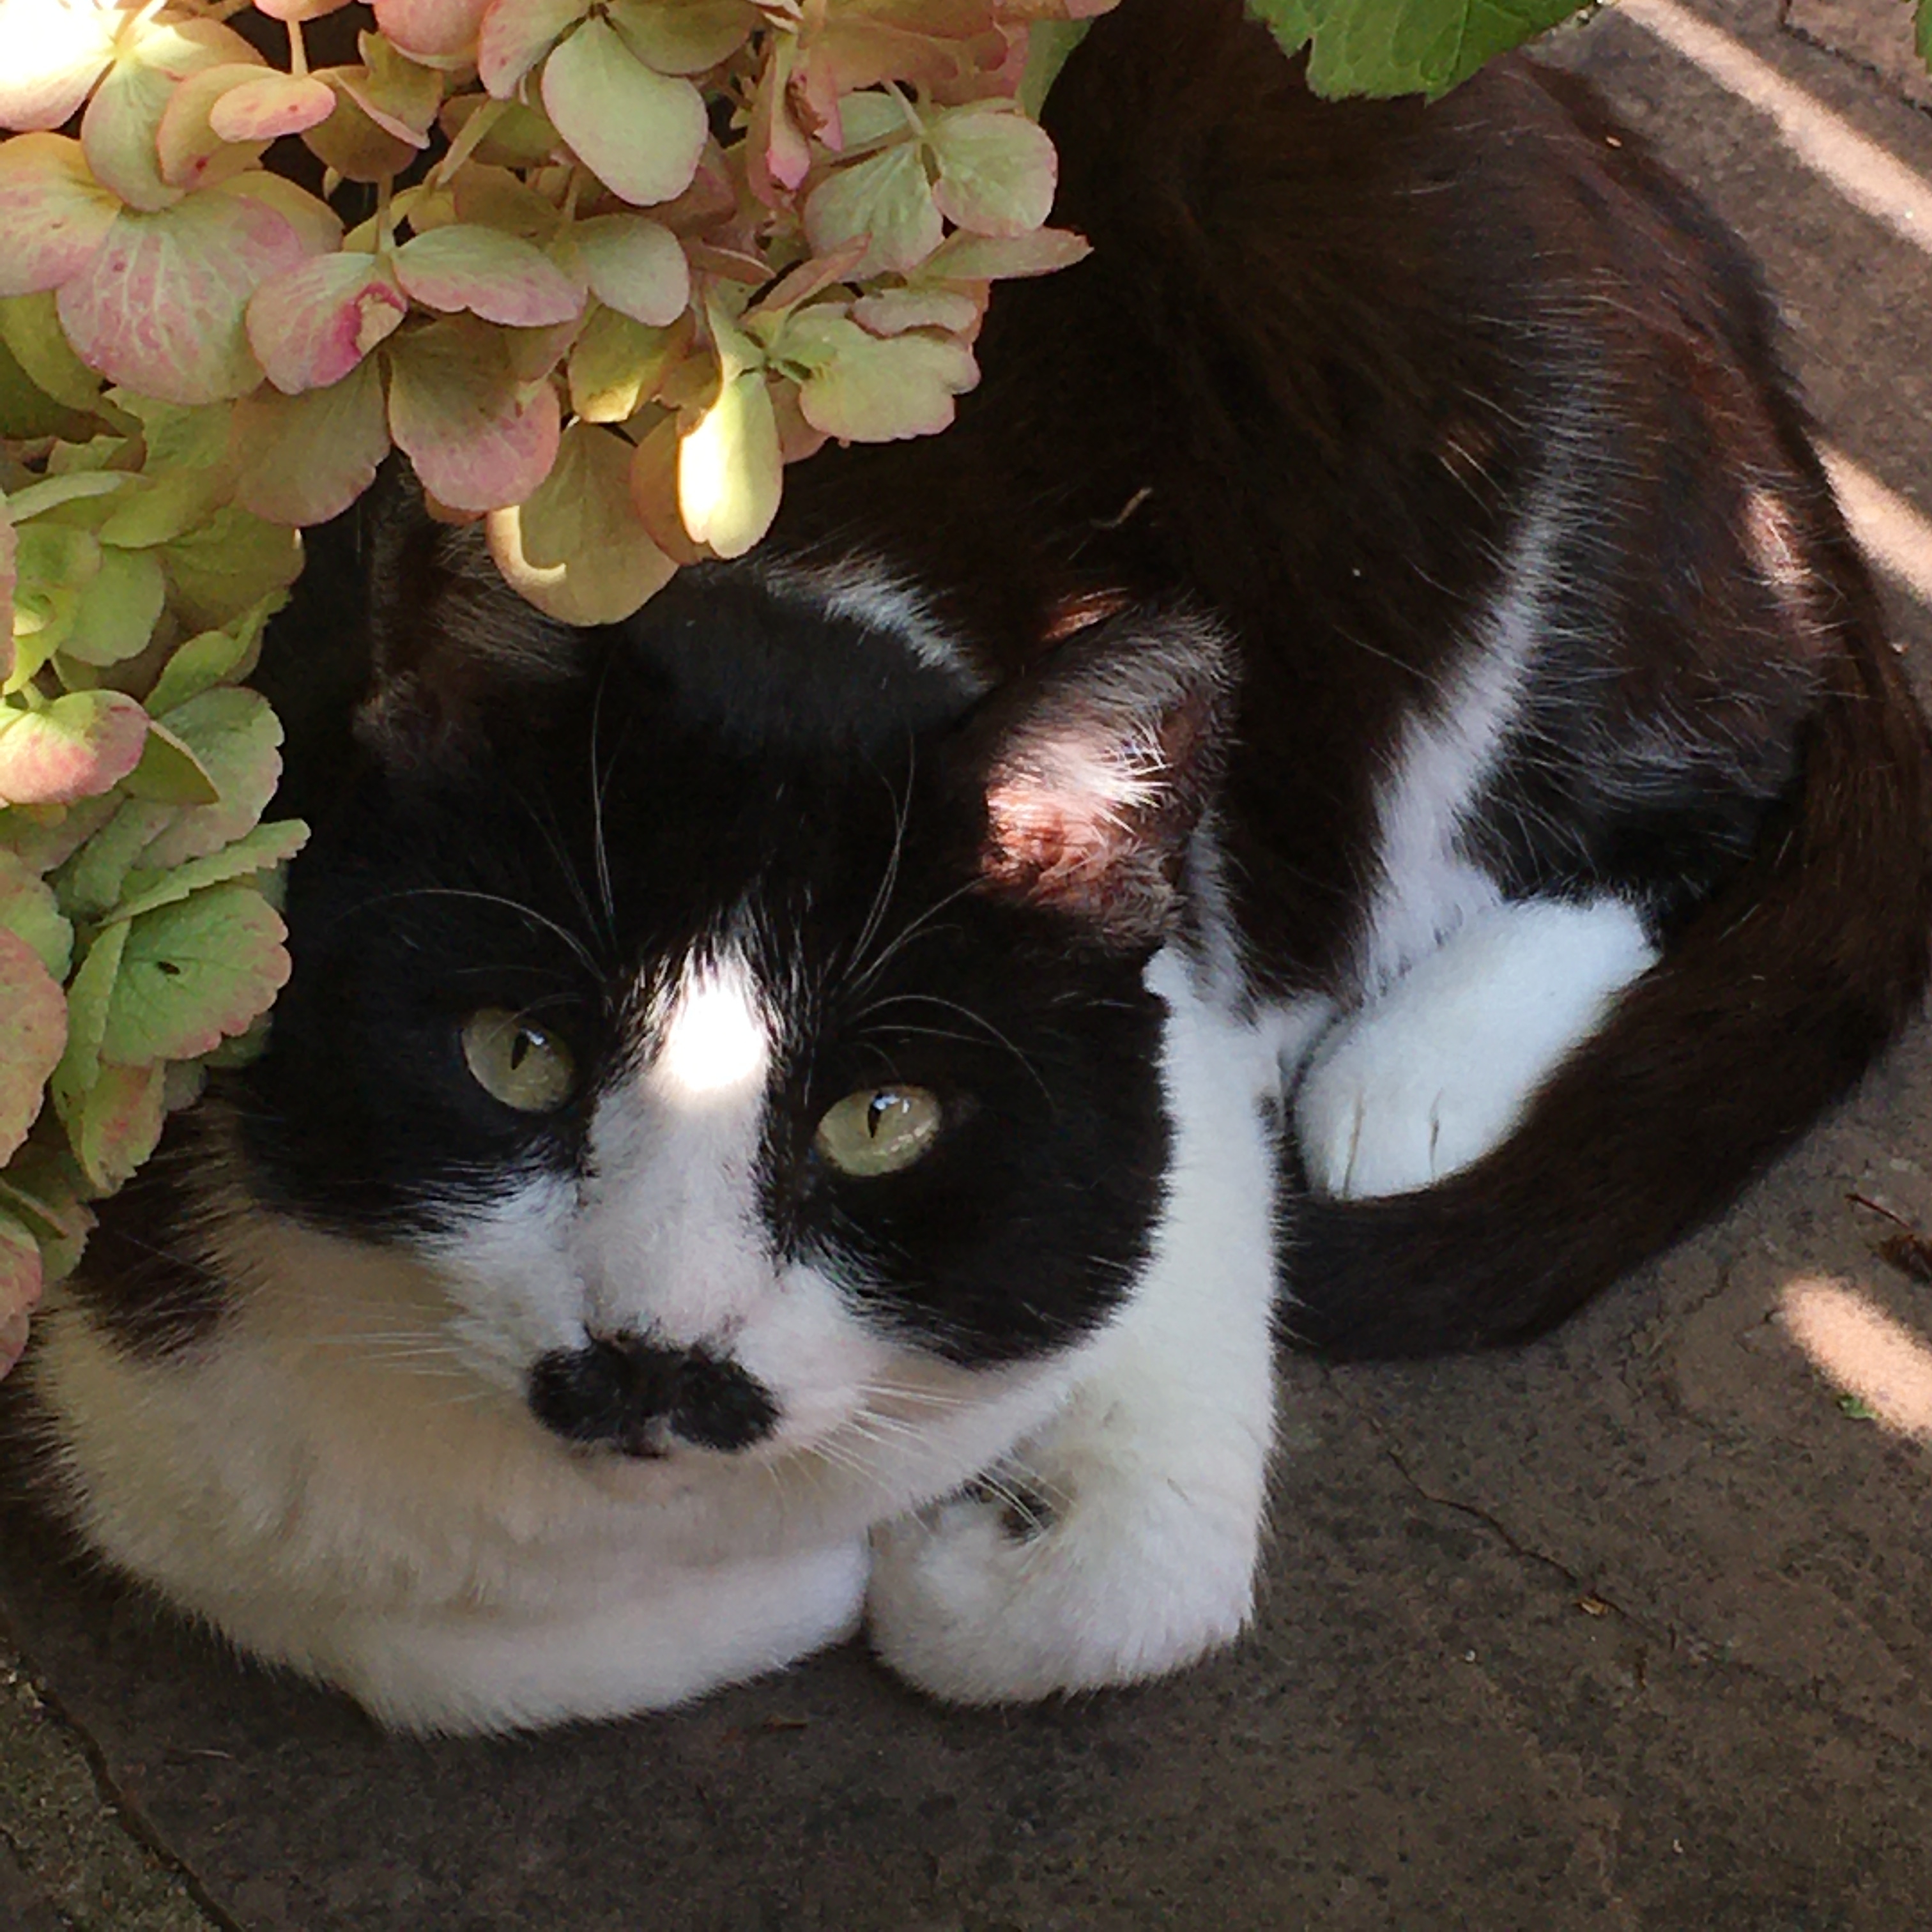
(1360, 790)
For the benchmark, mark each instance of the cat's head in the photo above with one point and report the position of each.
(712, 1015)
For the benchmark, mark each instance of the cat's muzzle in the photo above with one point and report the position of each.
(626, 1393)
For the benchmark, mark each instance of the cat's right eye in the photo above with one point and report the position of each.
(878, 1130)
(517, 1062)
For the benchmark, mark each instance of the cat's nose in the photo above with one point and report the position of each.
(626, 1393)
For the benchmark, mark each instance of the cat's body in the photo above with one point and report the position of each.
(1360, 783)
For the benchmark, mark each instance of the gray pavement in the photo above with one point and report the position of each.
(1632, 1629)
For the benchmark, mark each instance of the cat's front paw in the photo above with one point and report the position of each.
(1030, 1584)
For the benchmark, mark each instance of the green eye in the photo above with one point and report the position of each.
(878, 1130)
(515, 1061)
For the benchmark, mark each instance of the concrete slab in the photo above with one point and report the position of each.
(1632, 1629)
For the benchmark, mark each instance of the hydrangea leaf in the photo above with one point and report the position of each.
(778, 154)
(236, 739)
(55, 52)
(161, 306)
(312, 324)
(349, 141)
(27, 413)
(77, 746)
(634, 266)
(617, 365)
(120, 129)
(1402, 46)
(498, 198)
(118, 1123)
(10, 577)
(893, 311)
(90, 881)
(987, 258)
(639, 132)
(304, 459)
(516, 34)
(316, 225)
(192, 973)
(119, 608)
(88, 994)
(498, 276)
(189, 150)
(169, 773)
(54, 213)
(210, 658)
(31, 327)
(683, 36)
(222, 567)
(49, 494)
(29, 910)
(431, 29)
(730, 472)
(577, 549)
(478, 437)
(43, 1188)
(20, 1281)
(885, 199)
(865, 388)
(33, 1035)
(270, 106)
(156, 509)
(997, 169)
(518, 137)
(399, 94)
(256, 851)
(1050, 45)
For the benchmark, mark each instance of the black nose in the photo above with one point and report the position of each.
(630, 1395)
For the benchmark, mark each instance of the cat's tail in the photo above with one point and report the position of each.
(1766, 1007)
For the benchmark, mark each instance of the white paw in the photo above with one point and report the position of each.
(1071, 1575)
(1423, 1082)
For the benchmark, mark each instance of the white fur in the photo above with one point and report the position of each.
(348, 1480)
(1154, 1470)
(1445, 754)
(1426, 1079)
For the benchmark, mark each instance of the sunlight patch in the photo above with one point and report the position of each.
(1862, 1351)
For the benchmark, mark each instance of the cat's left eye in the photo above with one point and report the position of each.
(517, 1062)
(878, 1130)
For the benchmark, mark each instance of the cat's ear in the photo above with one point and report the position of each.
(1096, 768)
(454, 651)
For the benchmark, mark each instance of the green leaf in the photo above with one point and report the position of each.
(235, 739)
(169, 773)
(639, 132)
(33, 1035)
(1049, 44)
(1402, 46)
(730, 473)
(577, 550)
(886, 200)
(256, 851)
(193, 974)
(118, 608)
(20, 1282)
(92, 878)
(617, 364)
(79, 745)
(997, 169)
(634, 266)
(304, 459)
(228, 564)
(685, 37)
(117, 1122)
(211, 658)
(88, 994)
(30, 325)
(869, 389)
(29, 911)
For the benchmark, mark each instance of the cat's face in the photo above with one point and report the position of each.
(746, 1024)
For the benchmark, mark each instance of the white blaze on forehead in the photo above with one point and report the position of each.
(715, 1037)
